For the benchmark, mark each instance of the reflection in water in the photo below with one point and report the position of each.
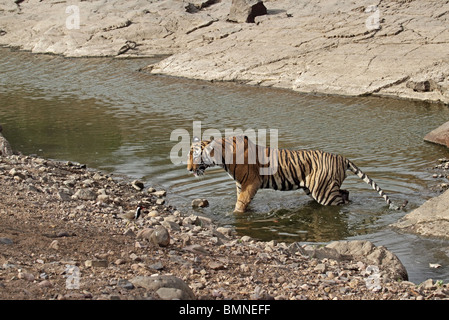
(104, 113)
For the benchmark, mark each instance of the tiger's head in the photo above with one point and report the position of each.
(199, 158)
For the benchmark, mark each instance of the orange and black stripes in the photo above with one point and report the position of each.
(319, 174)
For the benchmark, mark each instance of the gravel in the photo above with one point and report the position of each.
(60, 238)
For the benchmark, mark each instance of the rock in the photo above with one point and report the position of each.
(427, 285)
(129, 232)
(103, 198)
(85, 194)
(201, 203)
(45, 284)
(6, 241)
(26, 276)
(5, 147)
(216, 265)
(15, 173)
(430, 220)
(246, 10)
(54, 245)
(322, 252)
(153, 213)
(154, 283)
(160, 194)
(171, 294)
(137, 184)
(146, 233)
(160, 201)
(63, 196)
(419, 86)
(321, 268)
(171, 225)
(162, 237)
(159, 235)
(225, 231)
(439, 135)
(96, 263)
(125, 284)
(156, 266)
(196, 248)
(378, 256)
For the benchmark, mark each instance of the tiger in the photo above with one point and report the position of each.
(320, 174)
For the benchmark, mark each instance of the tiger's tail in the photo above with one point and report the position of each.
(359, 173)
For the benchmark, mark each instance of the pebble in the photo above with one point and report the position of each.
(54, 245)
(200, 203)
(137, 184)
(96, 263)
(6, 241)
(160, 194)
(194, 251)
(45, 284)
(84, 194)
(26, 276)
(125, 284)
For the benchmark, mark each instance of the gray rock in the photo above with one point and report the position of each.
(85, 194)
(154, 283)
(64, 196)
(15, 173)
(321, 268)
(201, 203)
(156, 266)
(160, 193)
(125, 284)
(379, 256)
(162, 236)
(96, 263)
(6, 241)
(171, 225)
(419, 86)
(439, 135)
(171, 294)
(157, 235)
(430, 220)
(246, 10)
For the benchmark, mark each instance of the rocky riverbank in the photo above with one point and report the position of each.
(389, 47)
(61, 238)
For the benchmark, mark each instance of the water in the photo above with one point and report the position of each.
(106, 114)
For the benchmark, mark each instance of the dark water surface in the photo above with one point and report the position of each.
(106, 114)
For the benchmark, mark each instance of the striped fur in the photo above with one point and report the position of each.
(319, 174)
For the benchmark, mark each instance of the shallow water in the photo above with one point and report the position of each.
(103, 112)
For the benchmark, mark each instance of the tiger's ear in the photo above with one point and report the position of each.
(196, 139)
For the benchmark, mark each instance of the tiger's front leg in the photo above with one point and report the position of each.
(245, 194)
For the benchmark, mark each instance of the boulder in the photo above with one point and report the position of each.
(439, 136)
(246, 10)
(361, 250)
(378, 256)
(429, 220)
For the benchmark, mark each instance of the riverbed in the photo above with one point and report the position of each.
(105, 113)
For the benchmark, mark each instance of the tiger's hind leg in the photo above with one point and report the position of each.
(334, 198)
(345, 195)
